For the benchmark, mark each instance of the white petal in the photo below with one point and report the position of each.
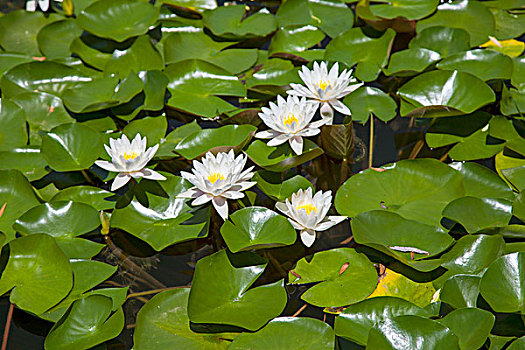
(203, 198)
(282, 138)
(330, 221)
(308, 132)
(340, 107)
(267, 134)
(327, 112)
(308, 237)
(221, 205)
(120, 180)
(152, 174)
(193, 192)
(296, 225)
(233, 195)
(106, 165)
(296, 143)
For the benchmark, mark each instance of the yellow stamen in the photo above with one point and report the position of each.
(130, 156)
(308, 208)
(288, 121)
(323, 85)
(213, 177)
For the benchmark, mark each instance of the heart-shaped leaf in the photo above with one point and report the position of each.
(346, 277)
(55, 38)
(13, 130)
(472, 326)
(278, 189)
(369, 100)
(460, 291)
(484, 64)
(92, 196)
(219, 294)
(411, 61)
(476, 214)
(409, 9)
(444, 40)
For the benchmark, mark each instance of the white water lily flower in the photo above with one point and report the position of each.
(129, 159)
(325, 88)
(308, 213)
(289, 120)
(218, 178)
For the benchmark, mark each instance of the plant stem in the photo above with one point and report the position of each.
(7, 326)
(371, 141)
(300, 310)
(153, 291)
(86, 176)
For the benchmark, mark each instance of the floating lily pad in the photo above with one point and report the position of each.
(9, 60)
(411, 61)
(153, 128)
(460, 291)
(345, 277)
(118, 19)
(409, 9)
(13, 131)
(87, 323)
(72, 146)
(37, 273)
(282, 157)
(355, 322)
(27, 160)
(412, 332)
(219, 294)
(156, 328)
(167, 219)
(168, 144)
(445, 90)
(95, 197)
(444, 40)
(288, 333)
(274, 72)
(481, 182)
(219, 139)
(256, 228)
(278, 189)
(503, 284)
(140, 56)
(472, 326)
(354, 47)
(228, 22)
(472, 16)
(195, 84)
(55, 38)
(368, 100)
(476, 214)
(400, 188)
(295, 39)
(484, 64)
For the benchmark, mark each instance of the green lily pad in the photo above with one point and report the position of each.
(476, 214)
(27, 24)
(444, 40)
(140, 56)
(219, 294)
(392, 284)
(512, 101)
(94, 95)
(195, 84)
(167, 219)
(193, 5)
(399, 237)
(282, 157)
(288, 333)
(274, 72)
(481, 182)
(412, 332)
(354, 47)
(47, 76)
(460, 291)
(472, 326)
(87, 274)
(256, 228)
(155, 84)
(294, 13)
(87, 323)
(92, 196)
(345, 277)
(295, 39)
(169, 143)
(509, 25)
(156, 328)
(517, 344)
(441, 91)
(153, 128)
(368, 100)
(118, 19)
(472, 16)
(13, 131)
(91, 56)
(332, 17)
(356, 321)
(9, 60)
(219, 139)
(55, 38)
(69, 147)
(43, 112)
(37, 273)
(27, 160)
(484, 64)
(278, 189)
(409, 9)
(509, 130)
(415, 189)
(229, 22)
(19, 195)
(410, 61)
(503, 283)
(517, 79)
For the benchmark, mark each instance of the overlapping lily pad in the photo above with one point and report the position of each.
(369, 100)
(476, 214)
(484, 64)
(219, 294)
(408, 9)
(167, 219)
(345, 277)
(461, 291)
(275, 187)
(472, 326)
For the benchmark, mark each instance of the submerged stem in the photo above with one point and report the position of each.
(153, 291)
(371, 141)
